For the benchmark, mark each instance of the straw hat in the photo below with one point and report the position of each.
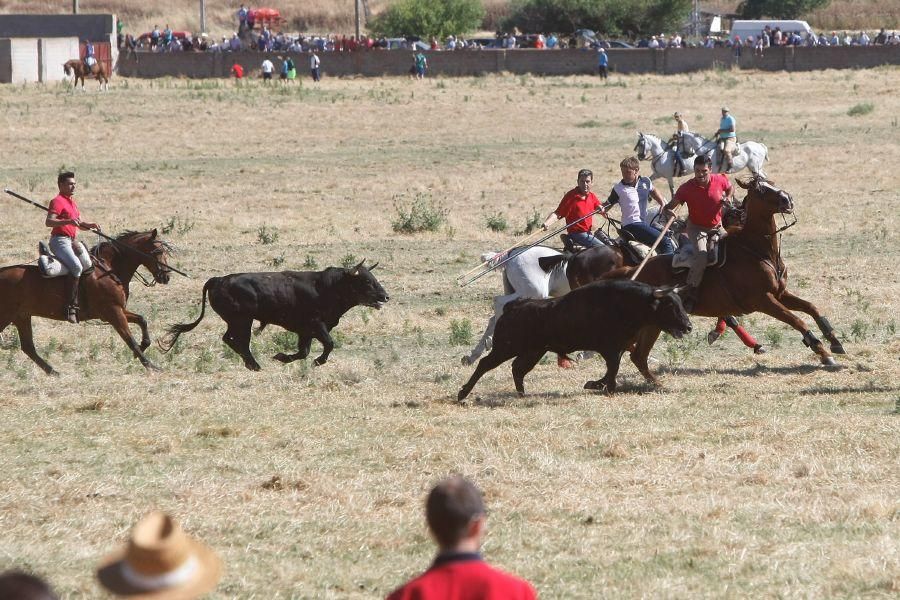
(160, 562)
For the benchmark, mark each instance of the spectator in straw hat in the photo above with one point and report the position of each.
(16, 585)
(456, 517)
(160, 562)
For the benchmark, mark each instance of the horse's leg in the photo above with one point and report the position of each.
(792, 302)
(643, 344)
(491, 361)
(742, 334)
(304, 343)
(237, 337)
(776, 309)
(26, 341)
(141, 322)
(487, 339)
(116, 317)
(521, 366)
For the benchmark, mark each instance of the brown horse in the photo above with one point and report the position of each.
(80, 70)
(24, 293)
(754, 278)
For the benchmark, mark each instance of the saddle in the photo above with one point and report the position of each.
(716, 255)
(51, 267)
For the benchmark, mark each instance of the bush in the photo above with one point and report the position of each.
(460, 332)
(497, 222)
(611, 17)
(532, 223)
(422, 215)
(438, 18)
(778, 9)
(267, 235)
(861, 109)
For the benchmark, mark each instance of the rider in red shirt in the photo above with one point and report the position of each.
(578, 202)
(65, 219)
(456, 517)
(704, 194)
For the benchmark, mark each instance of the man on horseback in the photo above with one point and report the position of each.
(631, 194)
(65, 219)
(726, 139)
(680, 128)
(704, 194)
(578, 202)
(89, 60)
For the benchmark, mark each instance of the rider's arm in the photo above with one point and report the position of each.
(654, 193)
(53, 220)
(551, 218)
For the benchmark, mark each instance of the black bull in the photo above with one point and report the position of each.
(604, 317)
(308, 303)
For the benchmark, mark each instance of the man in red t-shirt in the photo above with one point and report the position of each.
(65, 219)
(704, 194)
(578, 202)
(456, 517)
(237, 70)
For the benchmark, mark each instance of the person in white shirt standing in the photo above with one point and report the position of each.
(314, 65)
(267, 69)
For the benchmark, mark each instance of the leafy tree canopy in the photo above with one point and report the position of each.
(778, 9)
(438, 18)
(609, 17)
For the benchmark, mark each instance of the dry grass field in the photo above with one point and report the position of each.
(743, 476)
(322, 16)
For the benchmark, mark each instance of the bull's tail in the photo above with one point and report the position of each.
(174, 331)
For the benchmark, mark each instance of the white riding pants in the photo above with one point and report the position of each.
(70, 253)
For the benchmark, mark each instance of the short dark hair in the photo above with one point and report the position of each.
(451, 506)
(585, 173)
(64, 175)
(22, 586)
(703, 159)
(630, 163)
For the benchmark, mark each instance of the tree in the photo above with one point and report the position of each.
(438, 18)
(778, 9)
(610, 17)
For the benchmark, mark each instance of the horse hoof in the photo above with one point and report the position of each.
(281, 357)
(152, 367)
(711, 337)
(828, 361)
(838, 348)
(466, 361)
(595, 385)
(565, 363)
(463, 392)
(758, 349)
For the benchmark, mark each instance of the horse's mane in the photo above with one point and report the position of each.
(124, 237)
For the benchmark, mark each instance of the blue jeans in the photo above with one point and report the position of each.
(647, 235)
(583, 238)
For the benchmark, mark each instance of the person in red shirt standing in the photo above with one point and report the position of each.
(456, 517)
(65, 219)
(237, 70)
(703, 194)
(578, 202)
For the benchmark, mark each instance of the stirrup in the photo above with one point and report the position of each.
(72, 314)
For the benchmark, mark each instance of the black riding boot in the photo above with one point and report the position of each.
(72, 299)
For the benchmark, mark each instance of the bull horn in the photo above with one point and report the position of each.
(372, 268)
(153, 234)
(356, 268)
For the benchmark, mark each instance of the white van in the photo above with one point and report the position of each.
(756, 27)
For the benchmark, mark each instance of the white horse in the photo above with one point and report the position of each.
(663, 162)
(523, 277)
(751, 155)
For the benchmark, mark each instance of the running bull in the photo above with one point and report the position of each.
(308, 303)
(605, 317)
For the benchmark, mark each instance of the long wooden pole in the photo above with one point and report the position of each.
(513, 247)
(652, 248)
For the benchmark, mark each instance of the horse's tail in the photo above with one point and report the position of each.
(174, 331)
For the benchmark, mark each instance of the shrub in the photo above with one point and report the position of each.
(460, 332)
(438, 18)
(267, 235)
(532, 223)
(605, 16)
(861, 109)
(422, 215)
(348, 261)
(497, 222)
(310, 262)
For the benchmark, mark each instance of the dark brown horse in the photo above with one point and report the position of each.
(24, 293)
(754, 279)
(80, 70)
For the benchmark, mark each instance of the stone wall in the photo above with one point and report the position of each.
(536, 62)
